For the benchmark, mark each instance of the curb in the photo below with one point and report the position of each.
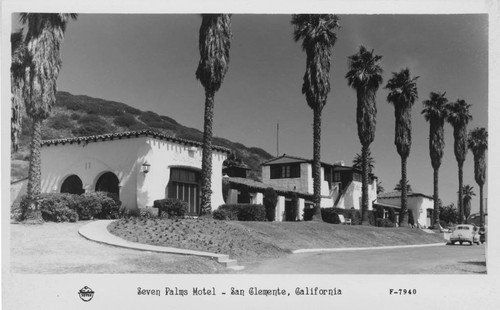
(97, 231)
(367, 248)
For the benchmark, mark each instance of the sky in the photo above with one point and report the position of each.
(149, 62)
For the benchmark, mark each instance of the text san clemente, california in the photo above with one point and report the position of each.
(251, 291)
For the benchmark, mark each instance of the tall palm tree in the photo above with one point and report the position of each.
(365, 76)
(478, 143)
(214, 44)
(357, 161)
(402, 94)
(459, 116)
(467, 192)
(318, 38)
(435, 113)
(44, 36)
(20, 61)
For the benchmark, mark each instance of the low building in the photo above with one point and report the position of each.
(419, 204)
(139, 166)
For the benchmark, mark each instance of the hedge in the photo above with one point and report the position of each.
(270, 200)
(240, 212)
(170, 207)
(331, 215)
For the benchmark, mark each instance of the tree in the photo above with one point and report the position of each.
(402, 94)
(399, 186)
(467, 192)
(435, 113)
(44, 36)
(380, 188)
(448, 214)
(477, 141)
(20, 61)
(270, 200)
(365, 77)
(459, 116)
(357, 162)
(214, 44)
(318, 38)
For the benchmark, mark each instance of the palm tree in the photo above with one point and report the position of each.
(357, 161)
(380, 187)
(318, 38)
(402, 94)
(459, 116)
(214, 44)
(467, 192)
(478, 143)
(399, 186)
(365, 76)
(20, 61)
(44, 36)
(435, 113)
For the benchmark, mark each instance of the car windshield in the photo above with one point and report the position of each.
(463, 228)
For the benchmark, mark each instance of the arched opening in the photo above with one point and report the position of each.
(108, 182)
(184, 185)
(72, 185)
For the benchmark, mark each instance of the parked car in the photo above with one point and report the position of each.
(465, 233)
(482, 234)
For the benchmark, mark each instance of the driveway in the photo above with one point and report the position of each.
(55, 248)
(446, 259)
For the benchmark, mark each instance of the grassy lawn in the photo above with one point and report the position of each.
(253, 241)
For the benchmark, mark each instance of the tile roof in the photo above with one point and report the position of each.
(129, 134)
(292, 159)
(397, 194)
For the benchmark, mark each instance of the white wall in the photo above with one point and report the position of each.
(353, 196)
(416, 204)
(125, 158)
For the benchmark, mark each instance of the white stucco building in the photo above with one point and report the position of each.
(420, 205)
(139, 166)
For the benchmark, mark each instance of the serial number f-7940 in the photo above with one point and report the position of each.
(402, 291)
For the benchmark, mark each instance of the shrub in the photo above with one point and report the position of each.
(125, 120)
(128, 213)
(381, 222)
(270, 200)
(110, 205)
(172, 207)
(226, 213)
(392, 215)
(147, 213)
(16, 212)
(371, 218)
(330, 216)
(75, 116)
(240, 212)
(251, 212)
(55, 207)
(90, 205)
(60, 121)
(308, 213)
(292, 214)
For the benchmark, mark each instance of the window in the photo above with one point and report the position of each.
(285, 171)
(183, 185)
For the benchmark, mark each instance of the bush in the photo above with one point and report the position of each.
(371, 218)
(16, 212)
(381, 222)
(56, 207)
(110, 205)
(308, 213)
(352, 214)
(270, 200)
(147, 213)
(90, 205)
(128, 213)
(330, 216)
(173, 208)
(60, 121)
(125, 120)
(392, 215)
(75, 116)
(241, 212)
(226, 213)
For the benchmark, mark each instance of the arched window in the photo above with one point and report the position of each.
(72, 185)
(184, 185)
(108, 182)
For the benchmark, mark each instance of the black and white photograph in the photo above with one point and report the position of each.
(176, 155)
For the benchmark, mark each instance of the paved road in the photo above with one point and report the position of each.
(446, 259)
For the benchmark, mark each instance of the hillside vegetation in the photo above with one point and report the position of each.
(75, 116)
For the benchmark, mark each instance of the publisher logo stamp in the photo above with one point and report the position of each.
(86, 294)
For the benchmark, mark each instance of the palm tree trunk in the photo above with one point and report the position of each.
(436, 199)
(31, 210)
(460, 192)
(403, 217)
(206, 163)
(364, 185)
(481, 206)
(316, 169)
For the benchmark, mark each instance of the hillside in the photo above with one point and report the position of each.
(75, 116)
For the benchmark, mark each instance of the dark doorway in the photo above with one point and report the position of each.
(184, 185)
(72, 185)
(108, 182)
